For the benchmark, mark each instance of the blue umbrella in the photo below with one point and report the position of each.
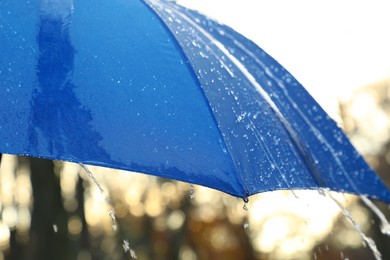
(152, 87)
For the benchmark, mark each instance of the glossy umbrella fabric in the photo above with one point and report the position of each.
(152, 87)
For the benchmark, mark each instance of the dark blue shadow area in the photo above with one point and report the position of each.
(56, 112)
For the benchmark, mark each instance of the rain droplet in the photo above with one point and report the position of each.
(113, 218)
(126, 248)
(246, 200)
(55, 228)
(132, 254)
(322, 192)
(192, 192)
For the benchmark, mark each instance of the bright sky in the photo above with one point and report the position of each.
(331, 47)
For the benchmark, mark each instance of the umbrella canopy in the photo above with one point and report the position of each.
(152, 87)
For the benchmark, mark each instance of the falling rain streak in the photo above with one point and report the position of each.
(114, 224)
(126, 248)
(368, 240)
(385, 225)
(55, 228)
(92, 177)
(111, 213)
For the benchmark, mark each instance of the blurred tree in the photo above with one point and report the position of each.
(48, 215)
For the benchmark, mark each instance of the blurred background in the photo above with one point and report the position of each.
(338, 51)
